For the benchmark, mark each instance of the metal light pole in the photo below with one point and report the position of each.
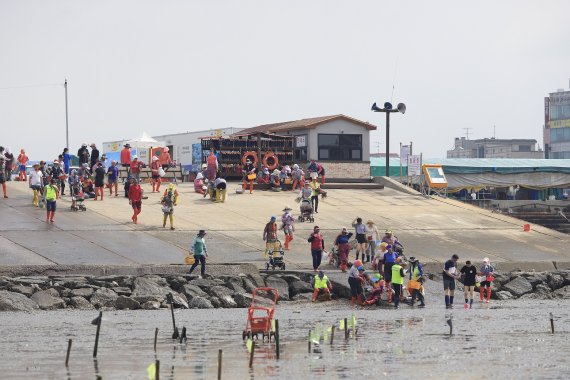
(387, 110)
(66, 117)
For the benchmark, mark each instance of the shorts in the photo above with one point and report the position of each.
(2, 179)
(155, 177)
(50, 206)
(361, 238)
(448, 284)
(486, 283)
(36, 187)
(388, 272)
(137, 205)
(112, 180)
(99, 183)
(22, 168)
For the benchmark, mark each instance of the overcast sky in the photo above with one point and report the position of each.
(174, 66)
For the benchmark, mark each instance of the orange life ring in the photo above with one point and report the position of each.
(270, 156)
(252, 155)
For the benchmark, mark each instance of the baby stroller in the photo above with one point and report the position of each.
(306, 211)
(334, 258)
(276, 257)
(77, 198)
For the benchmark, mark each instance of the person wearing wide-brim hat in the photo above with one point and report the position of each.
(372, 236)
(274, 181)
(288, 220)
(200, 252)
(126, 158)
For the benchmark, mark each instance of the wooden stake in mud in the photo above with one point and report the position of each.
(309, 341)
(552, 323)
(98, 320)
(157, 370)
(170, 300)
(346, 329)
(68, 352)
(155, 338)
(332, 334)
(450, 323)
(220, 364)
(277, 339)
(251, 354)
(183, 335)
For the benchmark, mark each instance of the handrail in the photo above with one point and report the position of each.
(564, 216)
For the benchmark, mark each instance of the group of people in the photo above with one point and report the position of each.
(283, 176)
(471, 278)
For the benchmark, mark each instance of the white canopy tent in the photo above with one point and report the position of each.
(142, 144)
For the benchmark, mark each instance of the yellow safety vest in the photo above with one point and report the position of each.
(416, 274)
(50, 193)
(396, 276)
(321, 283)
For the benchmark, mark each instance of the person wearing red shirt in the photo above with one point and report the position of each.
(136, 166)
(126, 158)
(135, 198)
(317, 247)
(165, 159)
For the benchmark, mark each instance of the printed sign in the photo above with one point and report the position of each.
(301, 141)
(414, 165)
(404, 153)
(559, 123)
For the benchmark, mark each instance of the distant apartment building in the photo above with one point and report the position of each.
(495, 148)
(557, 125)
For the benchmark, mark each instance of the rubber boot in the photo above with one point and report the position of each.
(251, 187)
(315, 294)
(352, 300)
(322, 180)
(389, 287)
(218, 196)
(35, 201)
(287, 242)
(488, 294)
(224, 195)
(164, 221)
(357, 253)
(481, 293)
(367, 258)
(171, 216)
(294, 185)
(329, 295)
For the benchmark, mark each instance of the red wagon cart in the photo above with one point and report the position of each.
(259, 318)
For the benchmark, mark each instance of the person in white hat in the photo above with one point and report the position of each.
(274, 179)
(199, 185)
(488, 272)
(298, 177)
(136, 166)
(155, 178)
(288, 220)
(165, 159)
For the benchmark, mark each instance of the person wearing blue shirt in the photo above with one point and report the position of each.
(66, 160)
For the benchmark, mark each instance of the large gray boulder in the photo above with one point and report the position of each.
(104, 297)
(280, 284)
(563, 293)
(123, 303)
(151, 305)
(298, 287)
(224, 295)
(248, 284)
(535, 278)
(243, 300)
(10, 301)
(555, 281)
(191, 291)
(257, 280)
(205, 284)
(46, 301)
(541, 292)
(82, 292)
(503, 295)
(74, 282)
(122, 290)
(80, 303)
(200, 303)
(148, 289)
(235, 283)
(25, 290)
(518, 287)
(29, 281)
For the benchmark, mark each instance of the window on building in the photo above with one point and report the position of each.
(524, 148)
(340, 147)
(560, 112)
(559, 134)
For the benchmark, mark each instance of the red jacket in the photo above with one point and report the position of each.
(135, 193)
(126, 156)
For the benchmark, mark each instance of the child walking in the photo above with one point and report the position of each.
(52, 195)
(469, 273)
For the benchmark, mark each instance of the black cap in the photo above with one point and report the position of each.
(201, 232)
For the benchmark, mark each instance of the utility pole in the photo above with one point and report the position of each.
(66, 117)
(467, 132)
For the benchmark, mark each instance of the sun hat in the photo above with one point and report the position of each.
(287, 208)
(361, 268)
(357, 263)
(388, 232)
(135, 157)
(276, 172)
(199, 176)
(370, 221)
(165, 149)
